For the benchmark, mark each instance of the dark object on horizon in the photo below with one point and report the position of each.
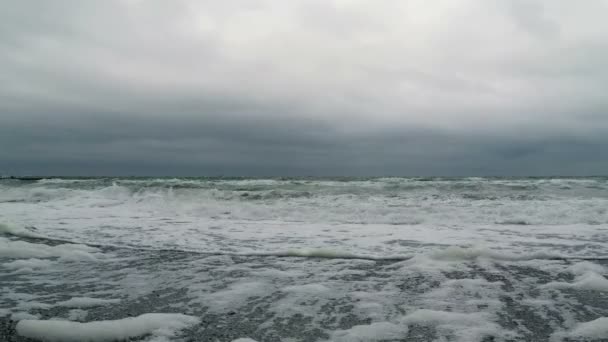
(26, 178)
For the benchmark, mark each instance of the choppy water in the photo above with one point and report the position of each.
(380, 259)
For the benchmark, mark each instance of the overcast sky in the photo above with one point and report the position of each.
(304, 87)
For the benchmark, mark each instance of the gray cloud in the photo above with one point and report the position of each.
(304, 87)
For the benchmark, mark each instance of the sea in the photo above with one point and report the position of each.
(304, 259)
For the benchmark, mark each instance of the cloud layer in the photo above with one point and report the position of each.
(304, 87)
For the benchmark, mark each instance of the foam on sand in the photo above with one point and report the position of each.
(86, 302)
(156, 324)
(378, 331)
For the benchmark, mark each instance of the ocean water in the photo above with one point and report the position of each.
(304, 259)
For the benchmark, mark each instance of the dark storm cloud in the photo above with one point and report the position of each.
(303, 87)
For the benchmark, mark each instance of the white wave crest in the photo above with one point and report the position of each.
(15, 230)
(67, 252)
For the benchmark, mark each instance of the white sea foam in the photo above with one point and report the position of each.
(596, 329)
(583, 267)
(235, 295)
(303, 299)
(454, 253)
(588, 276)
(30, 264)
(29, 305)
(378, 331)
(467, 327)
(18, 316)
(156, 324)
(391, 217)
(86, 302)
(244, 339)
(310, 289)
(77, 315)
(314, 252)
(586, 281)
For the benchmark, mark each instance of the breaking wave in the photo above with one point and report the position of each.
(398, 201)
(16, 230)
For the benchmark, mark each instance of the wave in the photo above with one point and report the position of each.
(15, 230)
(334, 254)
(392, 183)
(514, 222)
(455, 253)
(443, 254)
(316, 202)
(18, 249)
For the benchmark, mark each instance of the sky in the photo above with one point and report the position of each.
(304, 87)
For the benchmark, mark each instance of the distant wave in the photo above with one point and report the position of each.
(379, 201)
